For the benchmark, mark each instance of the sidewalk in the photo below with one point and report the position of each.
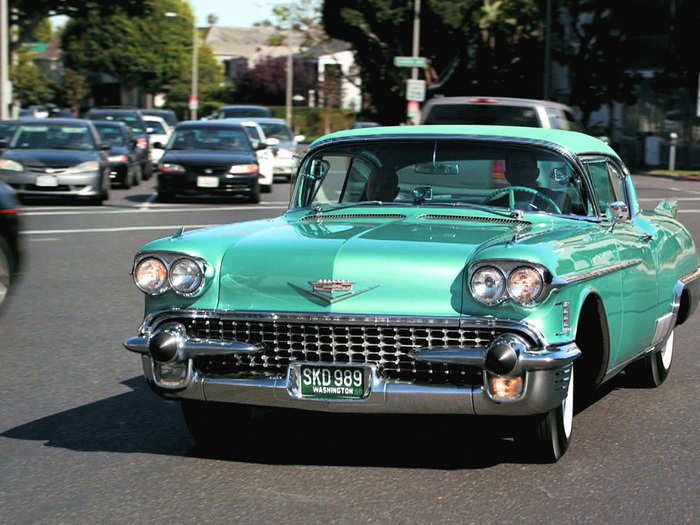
(691, 175)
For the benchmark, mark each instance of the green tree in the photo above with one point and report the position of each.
(30, 85)
(146, 51)
(75, 89)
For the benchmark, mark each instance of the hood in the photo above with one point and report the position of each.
(411, 267)
(52, 158)
(196, 158)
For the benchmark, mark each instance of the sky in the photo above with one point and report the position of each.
(234, 13)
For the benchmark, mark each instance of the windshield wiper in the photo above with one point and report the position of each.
(318, 209)
(512, 213)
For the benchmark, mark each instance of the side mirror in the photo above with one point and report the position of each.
(158, 145)
(273, 141)
(619, 212)
(299, 138)
(104, 146)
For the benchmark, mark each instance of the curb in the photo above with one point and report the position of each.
(667, 176)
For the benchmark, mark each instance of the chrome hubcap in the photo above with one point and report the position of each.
(667, 352)
(567, 406)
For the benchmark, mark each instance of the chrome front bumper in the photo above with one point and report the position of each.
(545, 372)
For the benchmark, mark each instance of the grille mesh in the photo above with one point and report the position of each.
(387, 347)
(470, 218)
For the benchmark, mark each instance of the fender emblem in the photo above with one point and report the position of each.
(331, 290)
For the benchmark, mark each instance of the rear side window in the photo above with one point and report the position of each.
(486, 114)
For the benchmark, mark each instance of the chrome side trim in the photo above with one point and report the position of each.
(690, 277)
(579, 277)
(155, 318)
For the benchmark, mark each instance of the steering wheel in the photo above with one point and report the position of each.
(510, 190)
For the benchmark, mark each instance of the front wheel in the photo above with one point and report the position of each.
(652, 370)
(548, 435)
(215, 426)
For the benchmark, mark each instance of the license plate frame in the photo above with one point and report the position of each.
(47, 181)
(207, 182)
(339, 382)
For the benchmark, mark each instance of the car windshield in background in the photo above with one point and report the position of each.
(276, 131)
(498, 115)
(244, 112)
(111, 135)
(132, 121)
(52, 137)
(156, 126)
(442, 172)
(219, 139)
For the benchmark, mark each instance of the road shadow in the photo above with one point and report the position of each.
(138, 197)
(140, 422)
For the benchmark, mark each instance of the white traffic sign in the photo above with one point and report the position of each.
(415, 90)
(193, 103)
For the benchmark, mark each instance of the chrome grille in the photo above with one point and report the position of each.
(386, 346)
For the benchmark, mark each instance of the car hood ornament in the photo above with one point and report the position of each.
(331, 290)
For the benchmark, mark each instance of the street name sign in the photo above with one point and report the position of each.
(410, 62)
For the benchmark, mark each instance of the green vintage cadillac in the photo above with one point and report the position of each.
(423, 270)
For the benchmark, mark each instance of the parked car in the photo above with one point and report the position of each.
(133, 118)
(158, 136)
(500, 111)
(241, 110)
(209, 158)
(7, 128)
(410, 285)
(10, 256)
(57, 157)
(285, 146)
(168, 115)
(61, 113)
(123, 156)
(266, 159)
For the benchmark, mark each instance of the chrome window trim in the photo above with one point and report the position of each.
(575, 160)
(571, 278)
(153, 319)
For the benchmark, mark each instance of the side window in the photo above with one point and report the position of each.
(605, 190)
(618, 183)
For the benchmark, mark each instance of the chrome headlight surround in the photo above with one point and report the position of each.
(193, 270)
(486, 276)
(171, 260)
(541, 277)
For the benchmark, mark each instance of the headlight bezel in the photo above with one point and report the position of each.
(483, 268)
(169, 259)
(507, 267)
(193, 291)
(11, 165)
(163, 286)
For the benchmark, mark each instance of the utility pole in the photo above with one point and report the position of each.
(547, 51)
(194, 102)
(290, 71)
(4, 60)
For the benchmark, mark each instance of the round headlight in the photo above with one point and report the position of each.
(185, 276)
(151, 276)
(487, 285)
(525, 285)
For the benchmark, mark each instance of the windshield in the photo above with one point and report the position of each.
(442, 172)
(243, 112)
(221, 139)
(52, 137)
(276, 131)
(156, 127)
(133, 121)
(111, 135)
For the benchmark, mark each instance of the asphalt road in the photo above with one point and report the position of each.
(83, 440)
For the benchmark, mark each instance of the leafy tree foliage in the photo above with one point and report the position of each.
(30, 85)
(265, 83)
(75, 89)
(146, 51)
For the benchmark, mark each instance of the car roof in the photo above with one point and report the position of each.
(221, 123)
(266, 120)
(59, 121)
(155, 118)
(243, 106)
(114, 123)
(577, 143)
(114, 111)
(509, 101)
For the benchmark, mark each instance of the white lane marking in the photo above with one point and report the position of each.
(688, 211)
(652, 199)
(45, 239)
(174, 228)
(151, 210)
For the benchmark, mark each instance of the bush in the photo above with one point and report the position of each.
(310, 121)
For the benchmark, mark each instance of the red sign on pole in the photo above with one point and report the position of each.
(194, 103)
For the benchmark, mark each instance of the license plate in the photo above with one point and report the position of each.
(332, 382)
(208, 182)
(46, 180)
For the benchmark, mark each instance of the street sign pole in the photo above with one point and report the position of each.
(412, 111)
(4, 60)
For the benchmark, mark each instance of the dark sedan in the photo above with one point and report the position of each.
(57, 157)
(9, 240)
(7, 128)
(209, 158)
(132, 118)
(124, 167)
